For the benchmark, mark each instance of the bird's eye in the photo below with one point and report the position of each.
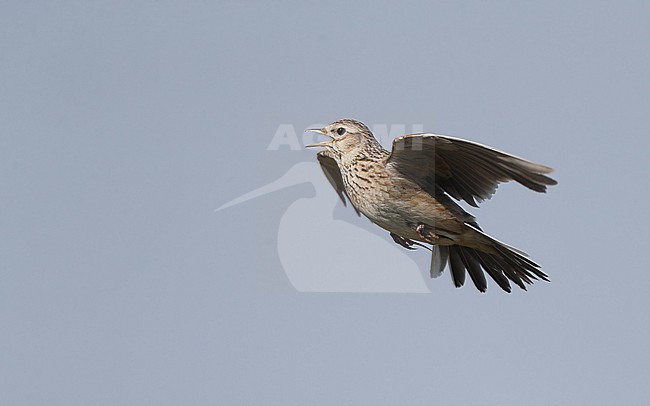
(340, 131)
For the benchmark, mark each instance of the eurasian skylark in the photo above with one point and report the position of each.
(409, 192)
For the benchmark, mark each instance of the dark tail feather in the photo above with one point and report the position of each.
(461, 259)
(464, 258)
(502, 262)
(504, 265)
(457, 266)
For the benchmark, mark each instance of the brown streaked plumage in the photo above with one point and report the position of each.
(410, 190)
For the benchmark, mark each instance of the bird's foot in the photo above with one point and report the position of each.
(404, 242)
(426, 233)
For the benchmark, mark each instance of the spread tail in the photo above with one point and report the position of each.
(502, 262)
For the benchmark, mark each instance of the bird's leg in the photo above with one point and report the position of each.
(404, 242)
(426, 233)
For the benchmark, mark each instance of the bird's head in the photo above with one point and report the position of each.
(346, 137)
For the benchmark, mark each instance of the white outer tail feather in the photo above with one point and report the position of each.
(439, 257)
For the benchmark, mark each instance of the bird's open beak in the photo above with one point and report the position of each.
(319, 144)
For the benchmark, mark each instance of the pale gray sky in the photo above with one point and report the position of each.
(125, 124)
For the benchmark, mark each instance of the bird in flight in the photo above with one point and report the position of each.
(411, 192)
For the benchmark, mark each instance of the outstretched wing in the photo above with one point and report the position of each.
(333, 174)
(465, 170)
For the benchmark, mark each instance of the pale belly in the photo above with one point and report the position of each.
(402, 215)
(399, 205)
